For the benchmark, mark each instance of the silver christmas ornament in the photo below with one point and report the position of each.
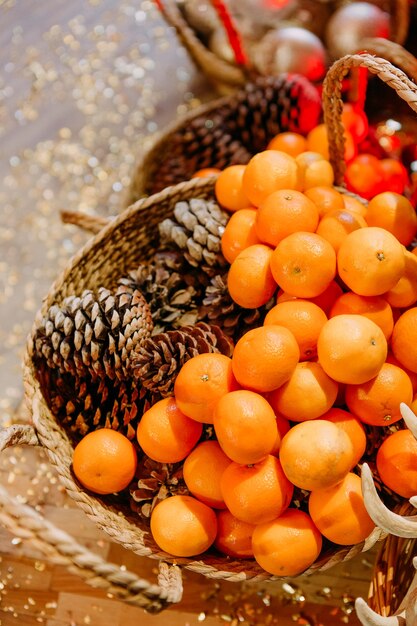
(291, 49)
(384, 5)
(264, 13)
(352, 23)
(312, 15)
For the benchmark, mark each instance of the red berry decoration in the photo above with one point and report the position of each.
(364, 175)
(355, 120)
(395, 176)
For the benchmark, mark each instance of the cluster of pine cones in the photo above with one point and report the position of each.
(104, 357)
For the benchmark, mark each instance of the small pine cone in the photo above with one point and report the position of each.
(197, 229)
(82, 405)
(156, 482)
(159, 359)
(270, 105)
(219, 308)
(94, 333)
(172, 288)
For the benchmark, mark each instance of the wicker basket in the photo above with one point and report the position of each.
(393, 572)
(226, 76)
(147, 176)
(123, 243)
(158, 168)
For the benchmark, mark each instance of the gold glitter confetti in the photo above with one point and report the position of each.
(324, 592)
(39, 566)
(51, 605)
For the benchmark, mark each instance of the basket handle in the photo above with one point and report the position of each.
(392, 52)
(213, 66)
(333, 105)
(400, 20)
(92, 223)
(57, 545)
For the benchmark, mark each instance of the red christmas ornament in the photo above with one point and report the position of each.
(355, 120)
(395, 175)
(364, 176)
(371, 145)
(392, 136)
(304, 104)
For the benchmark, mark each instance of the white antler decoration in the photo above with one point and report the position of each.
(401, 526)
(368, 617)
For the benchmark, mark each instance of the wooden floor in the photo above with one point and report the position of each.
(62, 146)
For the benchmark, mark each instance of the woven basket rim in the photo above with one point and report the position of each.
(148, 162)
(136, 536)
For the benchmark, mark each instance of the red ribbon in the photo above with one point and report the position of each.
(231, 31)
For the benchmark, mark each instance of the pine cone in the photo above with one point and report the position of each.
(82, 404)
(173, 289)
(197, 229)
(238, 129)
(202, 142)
(94, 333)
(219, 308)
(159, 359)
(156, 482)
(271, 105)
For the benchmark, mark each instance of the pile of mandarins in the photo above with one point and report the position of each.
(336, 351)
